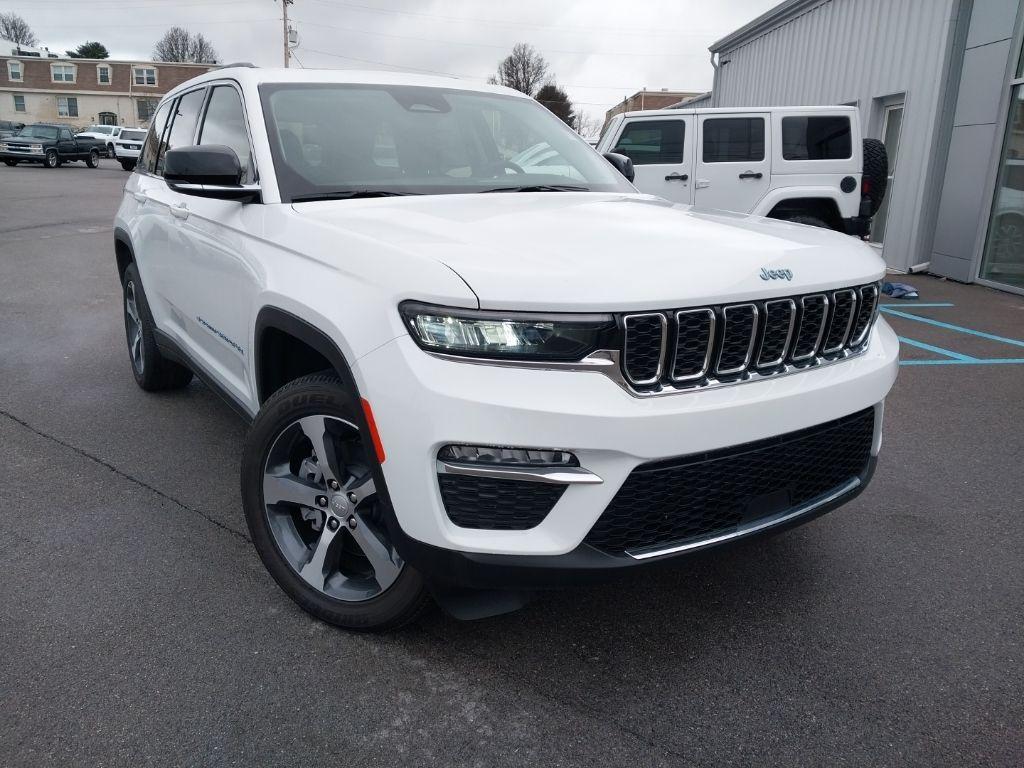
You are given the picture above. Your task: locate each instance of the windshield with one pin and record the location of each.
(133, 135)
(413, 140)
(38, 132)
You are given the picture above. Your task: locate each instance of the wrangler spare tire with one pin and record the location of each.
(876, 173)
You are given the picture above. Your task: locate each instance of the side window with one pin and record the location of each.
(183, 127)
(147, 160)
(733, 139)
(649, 142)
(65, 135)
(816, 138)
(225, 124)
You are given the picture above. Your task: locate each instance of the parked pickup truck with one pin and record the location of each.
(807, 165)
(51, 145)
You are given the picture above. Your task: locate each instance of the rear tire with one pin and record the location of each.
(152, 371)
(875, 178)
(323, 537)
(810, 221)
(93, 160)
(128, 165)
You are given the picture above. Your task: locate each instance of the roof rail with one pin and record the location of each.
(246, 64)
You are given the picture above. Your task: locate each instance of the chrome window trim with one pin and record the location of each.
(821, 329)
(661, 350)
(789, 333)
(658, 550)
(550, 475)
(849, 321)
(856, 342)
(711, 344)
(750, 344)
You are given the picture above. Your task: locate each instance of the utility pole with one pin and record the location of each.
(284, 22)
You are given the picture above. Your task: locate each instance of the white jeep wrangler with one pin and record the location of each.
(469, 378)
(803, 164)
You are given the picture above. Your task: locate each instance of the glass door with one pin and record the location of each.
(1003, 258)
(891, 124)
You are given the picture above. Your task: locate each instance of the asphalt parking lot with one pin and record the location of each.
(138, 627)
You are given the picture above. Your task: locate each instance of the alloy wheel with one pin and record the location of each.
(321, 508)
(133, 326)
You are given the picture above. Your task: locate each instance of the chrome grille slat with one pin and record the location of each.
(695, 336)
(727, 344)
(643, 363)
(735, 337)
(774, 341)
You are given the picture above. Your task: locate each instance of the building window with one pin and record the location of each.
(15, 73)
(733, 139)
(108, 118)
(103, 74)
(144, 75)
(892, 123)
(19, 102)
(653, 142)
(1003, 256)
(67, 106)
(62, 73)
(146, 109)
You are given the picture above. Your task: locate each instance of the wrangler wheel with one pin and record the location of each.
(314, 513)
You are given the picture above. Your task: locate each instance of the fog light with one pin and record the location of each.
(504, 456)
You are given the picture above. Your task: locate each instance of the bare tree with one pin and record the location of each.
(586, 125)
(524, 69)
(17, 30)
(178, 44)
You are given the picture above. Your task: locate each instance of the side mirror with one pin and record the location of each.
(208, 171)
(622, 164)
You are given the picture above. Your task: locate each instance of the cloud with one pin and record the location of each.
(599, 50)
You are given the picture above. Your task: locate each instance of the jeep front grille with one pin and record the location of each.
(726, 343)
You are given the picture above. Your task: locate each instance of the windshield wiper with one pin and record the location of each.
(350, 194)
(538, 188)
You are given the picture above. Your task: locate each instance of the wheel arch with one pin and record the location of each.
(123, 251)
(824, 208)
(287, 346)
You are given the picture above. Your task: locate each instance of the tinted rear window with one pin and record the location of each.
(733, 139)
(816, 138)
(649, 142)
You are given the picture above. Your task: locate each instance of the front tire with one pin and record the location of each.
(315, 517)
(93, 160)
(10, 163)
(51, 159)
(152, 371)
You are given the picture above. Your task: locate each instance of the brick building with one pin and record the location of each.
(83, 92)
(648, 100)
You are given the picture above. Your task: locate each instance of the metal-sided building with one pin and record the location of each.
(940, 81)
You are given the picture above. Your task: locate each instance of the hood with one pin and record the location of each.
(22, 141)
(565, 251)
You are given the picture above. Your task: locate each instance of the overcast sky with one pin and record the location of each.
(599, 50)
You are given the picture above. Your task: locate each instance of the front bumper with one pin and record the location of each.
(421, 403)
(24, 157)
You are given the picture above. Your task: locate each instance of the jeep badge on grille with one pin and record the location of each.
(776, 274)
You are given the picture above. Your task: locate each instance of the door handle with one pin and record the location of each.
(677, 177)
(179, 211)
(702, 183)
(751, 175)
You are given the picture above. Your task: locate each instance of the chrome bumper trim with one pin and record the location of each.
(551, 475)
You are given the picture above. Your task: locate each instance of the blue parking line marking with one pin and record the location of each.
(948, 361)
(916, 305)
(957, 328)
(937, 350)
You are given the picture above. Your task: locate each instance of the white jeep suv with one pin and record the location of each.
(471, 380)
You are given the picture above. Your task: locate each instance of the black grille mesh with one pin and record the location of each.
(642, 356)
(778, 317)
(843, 305)
(867, 299)
(710, 494)
(811, 318)
(693, 338)
(501, 505)
(739, 324)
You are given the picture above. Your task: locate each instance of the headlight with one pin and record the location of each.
(36, 147)
(3, 147)
(507, 335)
